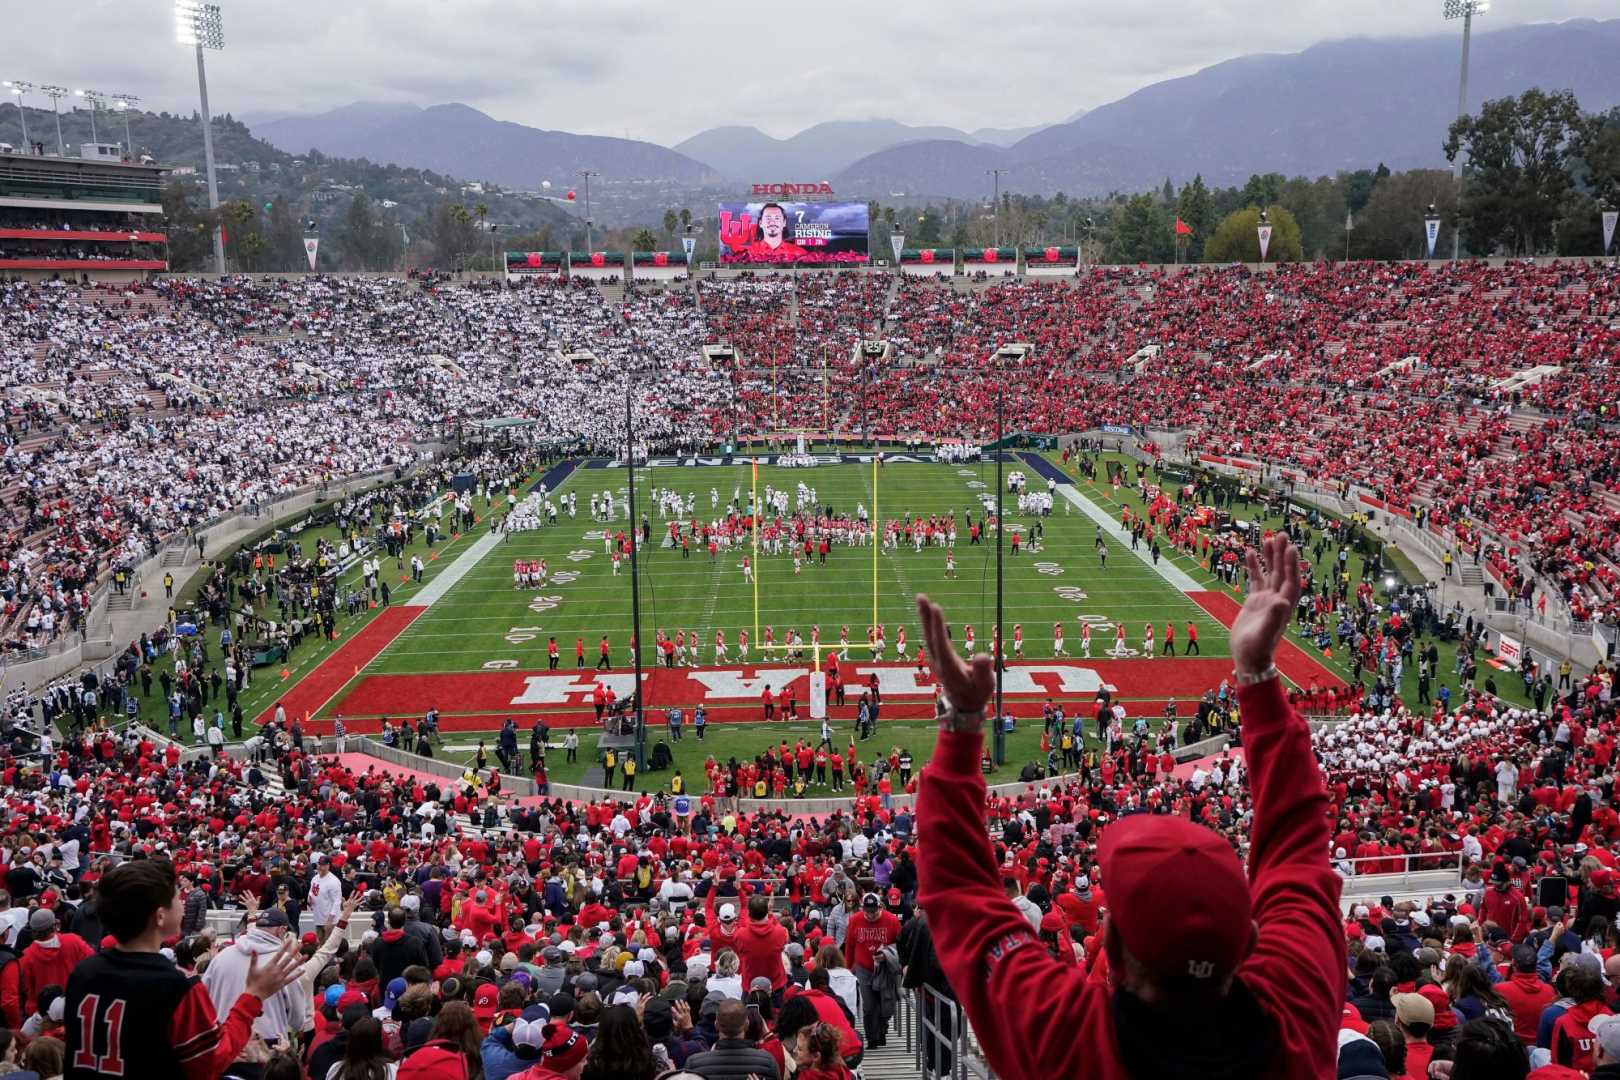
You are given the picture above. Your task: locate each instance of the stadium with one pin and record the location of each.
(841, 633)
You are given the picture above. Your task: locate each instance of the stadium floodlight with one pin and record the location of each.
(198, 25)
(123, 103)
(56, 94)
(1464, 10)
(18, 87)
(201, 27)
(93, 98)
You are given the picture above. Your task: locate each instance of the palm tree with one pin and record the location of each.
(670, 221)
(645, 240)
(686, 218)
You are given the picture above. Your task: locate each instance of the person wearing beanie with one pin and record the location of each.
(1360, 1058)
(52, 956)
(562, 1055)
(1247, 970)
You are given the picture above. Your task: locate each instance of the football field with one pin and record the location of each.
(475, 647)
(464, 641)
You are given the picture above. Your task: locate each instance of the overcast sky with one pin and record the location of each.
(662, 71)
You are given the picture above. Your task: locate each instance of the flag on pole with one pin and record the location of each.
(1182, 228)
(1431, 230)
(1349, 221)
(1609, 219)
(1265, 240)
(311, 243)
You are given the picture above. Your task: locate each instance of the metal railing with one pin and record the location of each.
(1432, 862)
(939, 1038)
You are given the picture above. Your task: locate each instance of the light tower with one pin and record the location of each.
(56, 94)
(1464, 10)
(123, 103)
(18, 87)
(199, 25)
(93, 98)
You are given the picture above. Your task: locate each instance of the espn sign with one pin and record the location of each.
(822, 188)
(1509, 651)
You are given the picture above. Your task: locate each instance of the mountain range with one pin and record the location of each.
(459, 140)
(1338, 105)
(747, 153)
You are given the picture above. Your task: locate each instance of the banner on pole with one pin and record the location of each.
(690, 244)
(818, 695)
(1609, 218)
(1431, 229)
(1265, 240)
(897, 241)
(311, 243)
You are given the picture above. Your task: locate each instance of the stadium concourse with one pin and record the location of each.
(443, 925)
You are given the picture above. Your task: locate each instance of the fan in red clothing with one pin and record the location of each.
(1253, 980)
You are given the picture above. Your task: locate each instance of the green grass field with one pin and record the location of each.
(472, 624)
(483, 623)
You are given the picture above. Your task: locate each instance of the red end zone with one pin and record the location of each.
(1298, 666)
(477, 701)
(314, 690)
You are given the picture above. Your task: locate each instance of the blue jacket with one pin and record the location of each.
(500, 1057)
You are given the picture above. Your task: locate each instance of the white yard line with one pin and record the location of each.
(1171, 573)
(446, 579)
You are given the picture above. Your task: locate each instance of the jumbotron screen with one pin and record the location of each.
(792, 232)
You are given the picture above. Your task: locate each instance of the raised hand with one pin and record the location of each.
(968, 685)
(1273, 596)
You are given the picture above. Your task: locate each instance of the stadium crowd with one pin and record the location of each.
(627, 938)
(621, 939)
(1476, 397)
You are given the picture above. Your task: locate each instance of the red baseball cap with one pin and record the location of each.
(1202, 932)
(486, 999)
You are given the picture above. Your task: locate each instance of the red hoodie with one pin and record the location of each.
(1295, 972)
(1527, 996)
(51, 960)
(759, 946)
(1572, 1041)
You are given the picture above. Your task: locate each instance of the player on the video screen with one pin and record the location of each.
(773, 244)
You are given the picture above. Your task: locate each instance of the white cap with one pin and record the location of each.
(728, 912)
